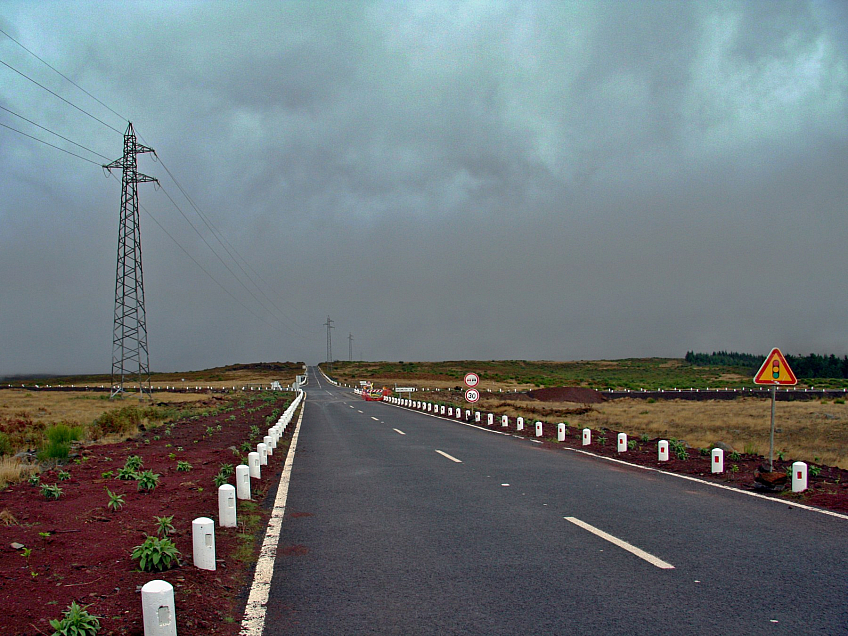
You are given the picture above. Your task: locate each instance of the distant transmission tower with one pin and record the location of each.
(329, 325)
(129, 336)
(350, 347)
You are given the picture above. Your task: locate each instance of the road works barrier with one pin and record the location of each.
(157, 609)
(203, 543)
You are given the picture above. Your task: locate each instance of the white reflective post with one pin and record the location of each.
(203, 543)
(717, 463)
(538, 429)
(587, 436)
(519, 423)
(157, 609)
(477, 416)
(663, 450)
(622, 442)
(799, 477)
(263, 453)
(490, 419)
(253, 464)
(227, 506)
(242, 482)
(561, 432)
(269, 444)
(504, 420)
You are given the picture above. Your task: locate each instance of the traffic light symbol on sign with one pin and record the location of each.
(775, 371)
(775, 368)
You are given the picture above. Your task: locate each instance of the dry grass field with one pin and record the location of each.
(809, 431)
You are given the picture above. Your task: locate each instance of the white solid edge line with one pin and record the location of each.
(650, 558)
(791, 504)
(253, 622)
(398, 431)
(450, 457)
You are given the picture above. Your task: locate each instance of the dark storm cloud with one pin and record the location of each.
(446, 180)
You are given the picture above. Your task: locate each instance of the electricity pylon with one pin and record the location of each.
(350, 347)
(129, 335)
(329, 325)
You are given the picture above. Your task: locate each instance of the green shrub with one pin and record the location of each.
(51, 491)
(59, 438)
(156, 555)
(5, 445)
(76, 622)
(116, 502)
(220, 479)
(164, 525)
(63, 475)
(134, 462)
(183, 466)
(147, 480)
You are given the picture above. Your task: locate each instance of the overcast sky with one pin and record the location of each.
(446, 180)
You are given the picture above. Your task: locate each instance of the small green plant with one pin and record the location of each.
(232, 418)
(734, 468)
(220, 479)
(134, 462)
(645, 437)
(602, 440)
(107, 474)
(164, 525)
(147, 481)
(51, 492)
(76, 622)
(34, 480)
(63, 475)
(227, 469)
(815, 471)
(156, 555)
(734, 456)
(183, 466)
(219, 428)
(172, 456)
(59, 438)
(116, 502)
(750, 449)
(781, 455)
(155, 438)
(126, 473)
(651, 401)
(254, 431)
(246, 447)
(839, 401)
(632, 444)
(210, 430)
(705, 451)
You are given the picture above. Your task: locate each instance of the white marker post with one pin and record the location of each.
(538, 429)
(799, 477)
(157, 609)
(253, 464)
(519, 423)
(587, 436)
(227, 506)
(622, 442)
(663, 450)
(263, 453)
(504, 420)
(203, 543)
(560, 432)
(269, 444)
(717, 463)
(242, 482)
(490, 419)
(477, 416)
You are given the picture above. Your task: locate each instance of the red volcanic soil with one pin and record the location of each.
(80, 549)
(578, 394)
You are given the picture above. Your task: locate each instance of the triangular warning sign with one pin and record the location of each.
(775, 370)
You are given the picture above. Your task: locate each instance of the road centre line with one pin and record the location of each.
(444, 454)
(650, 558)
(358, 411)
(375, 419)
(398, 431)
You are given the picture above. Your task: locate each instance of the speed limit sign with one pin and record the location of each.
(472, 395)
(472, 380)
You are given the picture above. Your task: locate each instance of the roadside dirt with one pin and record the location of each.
(80, 549)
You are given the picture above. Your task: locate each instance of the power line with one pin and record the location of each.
(85, 112)
(49, 144)
(94, 152)
(62, 74)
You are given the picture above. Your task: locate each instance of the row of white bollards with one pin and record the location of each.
(799, 469)
(157, 597)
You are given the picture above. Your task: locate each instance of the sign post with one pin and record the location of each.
(774, 372)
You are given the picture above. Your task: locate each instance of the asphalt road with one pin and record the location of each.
(385, 533)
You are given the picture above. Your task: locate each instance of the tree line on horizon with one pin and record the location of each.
(809, 366)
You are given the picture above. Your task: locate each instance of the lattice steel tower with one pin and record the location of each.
(129, 336)
(329, 325)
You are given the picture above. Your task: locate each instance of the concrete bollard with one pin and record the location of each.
(467, 414)
(157, 609)
(538, 429)
(263, 453)
(242, 482)
(477, 416)
(504, 420)
(253, 464)
(799, 477)
(717, 462)
(429, 407)
(203, 543)
(442, 410)
(450, 411)
(519, 423)
(490, 419)
(269, 444)
(622, 442)
(587, 436)
(227, 506)
(560, 432)
(663, 450)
